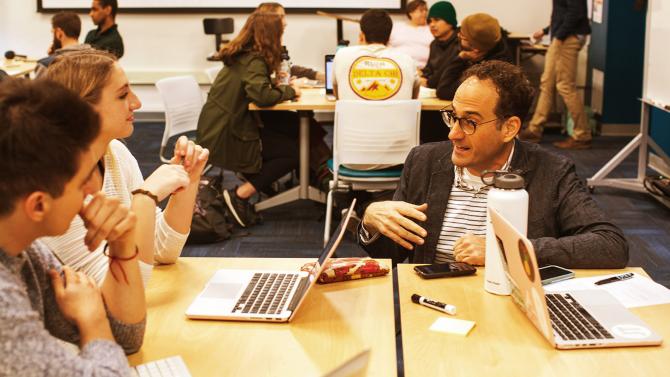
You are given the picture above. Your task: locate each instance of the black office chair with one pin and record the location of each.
(218, 26)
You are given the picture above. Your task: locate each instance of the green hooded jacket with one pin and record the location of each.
(226, 126)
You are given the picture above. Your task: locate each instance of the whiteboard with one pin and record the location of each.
(656, 86)
(225, 4)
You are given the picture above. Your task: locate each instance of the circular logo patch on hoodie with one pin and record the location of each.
(375, 78)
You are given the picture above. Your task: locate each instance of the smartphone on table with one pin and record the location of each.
(444, 270)
(552, 274)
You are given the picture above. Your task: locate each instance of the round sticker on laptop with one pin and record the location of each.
(630, 331)
(375, 78)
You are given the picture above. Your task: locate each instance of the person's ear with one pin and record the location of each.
(511, 128)
(37, 205)
(361, 38)
(59, 34)
(107, 10)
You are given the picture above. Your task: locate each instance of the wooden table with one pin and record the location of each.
(19, 68)
(504, 342)
(310, 100)
(336, 322)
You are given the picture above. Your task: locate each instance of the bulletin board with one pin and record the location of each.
(177, 6)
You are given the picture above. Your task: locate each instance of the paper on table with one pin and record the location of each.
(427, 92)
(632, 293)
(452, 326)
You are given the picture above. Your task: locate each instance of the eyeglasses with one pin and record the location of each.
(468, 126)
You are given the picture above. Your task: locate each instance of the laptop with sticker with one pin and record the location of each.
(568, 319)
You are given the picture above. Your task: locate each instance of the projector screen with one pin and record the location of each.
(230, 5)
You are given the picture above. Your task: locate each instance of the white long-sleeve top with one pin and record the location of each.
(122, 176)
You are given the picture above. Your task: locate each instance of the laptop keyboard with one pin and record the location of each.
(170, 367)
(571, 321)
(266, 293)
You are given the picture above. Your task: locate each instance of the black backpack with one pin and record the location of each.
(210, 215)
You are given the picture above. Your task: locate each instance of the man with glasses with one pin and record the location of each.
(438, 212)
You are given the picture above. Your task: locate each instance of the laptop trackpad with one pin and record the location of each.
(226, 291)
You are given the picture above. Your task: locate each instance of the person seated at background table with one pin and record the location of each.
(106, 37)
(481, 39)
(438, 212)
(232, 132)
(443, 50)
(296, 70)
(161, 235)
(372, 70)
(413, 37)
(43, 182)
(65, 27)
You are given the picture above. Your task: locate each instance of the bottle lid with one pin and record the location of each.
(509, 181)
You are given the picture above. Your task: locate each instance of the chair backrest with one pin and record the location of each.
(183, 102)
(375, 132)
(212, 72)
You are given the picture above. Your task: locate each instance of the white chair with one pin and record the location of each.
(183, 102)
(370, 132)
(212, 72)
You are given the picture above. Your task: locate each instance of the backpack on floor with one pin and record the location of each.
(210, 222)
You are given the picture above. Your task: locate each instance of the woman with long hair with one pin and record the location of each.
(234, 134)
(160, 235)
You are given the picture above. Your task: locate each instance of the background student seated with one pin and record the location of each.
(106, 37)
(229, 129)
(372, 70)
(437, 214)
(43, 183)
(413, 37)
(65, 27)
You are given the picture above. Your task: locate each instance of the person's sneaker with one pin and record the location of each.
(571, 143)
(242, 211)
(528, 135)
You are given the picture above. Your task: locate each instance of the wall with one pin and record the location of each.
(171, 44)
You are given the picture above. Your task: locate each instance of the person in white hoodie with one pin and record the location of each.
(413, 37)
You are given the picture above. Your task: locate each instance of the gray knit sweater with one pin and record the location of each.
(30, 322)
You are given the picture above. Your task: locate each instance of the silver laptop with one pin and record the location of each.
(569, 319)
(261, 295)
(330, 93)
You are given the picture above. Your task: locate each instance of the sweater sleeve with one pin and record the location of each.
(450, 79)
(300, 71)
(29, 343)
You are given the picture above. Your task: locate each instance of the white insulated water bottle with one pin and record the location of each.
(509, 198)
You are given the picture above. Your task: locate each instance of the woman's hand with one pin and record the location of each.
(165, 180)
(191, 156)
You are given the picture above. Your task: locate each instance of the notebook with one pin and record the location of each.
(567, 319)
(330, 94)
(262, 295)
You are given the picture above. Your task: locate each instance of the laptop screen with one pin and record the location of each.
(329, 74)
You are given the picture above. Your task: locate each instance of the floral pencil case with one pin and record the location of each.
(341, 269)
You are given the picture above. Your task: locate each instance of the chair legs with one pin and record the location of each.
(329, 215)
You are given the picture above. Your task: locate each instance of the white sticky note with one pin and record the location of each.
(452, 326)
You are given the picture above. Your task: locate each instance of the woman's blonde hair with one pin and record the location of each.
(84, 72)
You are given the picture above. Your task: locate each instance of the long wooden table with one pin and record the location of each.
(336, 322)
(310, 100)
(504, 342)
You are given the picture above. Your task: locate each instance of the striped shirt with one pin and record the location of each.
(465, 213)
(122, 176)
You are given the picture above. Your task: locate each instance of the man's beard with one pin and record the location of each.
(56, 44)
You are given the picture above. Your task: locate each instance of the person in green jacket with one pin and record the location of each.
(234, 134)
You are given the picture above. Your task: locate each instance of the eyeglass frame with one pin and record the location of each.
(451, 113)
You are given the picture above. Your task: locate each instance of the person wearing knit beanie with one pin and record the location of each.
(444, 10)
(480, 31)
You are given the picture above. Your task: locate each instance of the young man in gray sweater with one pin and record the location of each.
(47, 154)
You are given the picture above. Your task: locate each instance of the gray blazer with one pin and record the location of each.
(565, 225)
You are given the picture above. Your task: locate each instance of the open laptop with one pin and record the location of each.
(569, 319)
(330, 94)
(261, 295)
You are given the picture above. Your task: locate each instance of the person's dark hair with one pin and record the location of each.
(44, 129)
(413, 5)
(376, 25)
(515, 93)
(261, 34)
(110, 3)
(69, 22)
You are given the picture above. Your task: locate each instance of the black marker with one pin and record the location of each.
(445, 308)
(614, 279)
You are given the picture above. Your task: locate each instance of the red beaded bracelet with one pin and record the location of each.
(117, 260)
